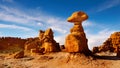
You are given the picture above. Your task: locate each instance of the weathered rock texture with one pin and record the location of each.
(32, 43)
(47, 41)
(43, 44)
(115, 39)
(112, 44)
(76, 41)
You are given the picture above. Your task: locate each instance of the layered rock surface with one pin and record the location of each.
(76, 41)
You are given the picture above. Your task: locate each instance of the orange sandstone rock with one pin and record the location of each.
(115, 38)
(32, 43)
(77, 41)
(41, 35)
(77, 17)
(48, 42)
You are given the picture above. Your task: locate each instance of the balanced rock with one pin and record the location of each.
(48, 42)
(76, 41)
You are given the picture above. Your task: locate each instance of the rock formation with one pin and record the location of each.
(112, 44)
(47, 41)
(42, 44)
(32, 43)
(76, 41)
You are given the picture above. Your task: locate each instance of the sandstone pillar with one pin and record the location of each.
(76, 41)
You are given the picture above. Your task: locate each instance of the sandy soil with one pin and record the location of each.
(59, 60)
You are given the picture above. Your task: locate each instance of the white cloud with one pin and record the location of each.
(59, 29)
(14, 15)
(87, 23)
(15, 27)
(107, 5)
(39, 24)
(61, 39)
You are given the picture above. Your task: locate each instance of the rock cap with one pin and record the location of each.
(78, 17)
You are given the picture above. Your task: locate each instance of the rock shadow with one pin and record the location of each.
(107, 57)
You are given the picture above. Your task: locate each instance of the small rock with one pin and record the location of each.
(19, 54)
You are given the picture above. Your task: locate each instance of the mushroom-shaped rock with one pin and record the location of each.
(76, 41)
(77, 17)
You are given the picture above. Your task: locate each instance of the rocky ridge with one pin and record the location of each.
(112, 44)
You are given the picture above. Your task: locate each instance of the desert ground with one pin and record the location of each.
(60, 60)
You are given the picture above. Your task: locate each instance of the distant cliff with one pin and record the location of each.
(7, 42)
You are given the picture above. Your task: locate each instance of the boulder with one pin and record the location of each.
(76, 41)
(19, 54)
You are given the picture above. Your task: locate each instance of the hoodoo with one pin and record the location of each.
(76, 41)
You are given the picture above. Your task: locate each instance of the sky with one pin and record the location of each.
(24, 18)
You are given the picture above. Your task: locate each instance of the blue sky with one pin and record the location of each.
(24, 18)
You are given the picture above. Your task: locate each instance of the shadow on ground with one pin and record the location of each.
(108, 57)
